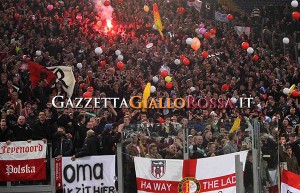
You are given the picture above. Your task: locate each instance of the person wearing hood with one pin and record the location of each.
(109, 138)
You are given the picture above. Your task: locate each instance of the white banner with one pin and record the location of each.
(240, 29)
(64, 75)
(210, 175)
(196, 3)
(89, 174)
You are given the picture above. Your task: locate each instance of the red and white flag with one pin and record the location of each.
(290, 182)
(23, 161)
(208, 175)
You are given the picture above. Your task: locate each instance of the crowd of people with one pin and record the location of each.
(69, 33)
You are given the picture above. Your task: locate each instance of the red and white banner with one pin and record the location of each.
(211, 175)
(290, 182)
(23, 161)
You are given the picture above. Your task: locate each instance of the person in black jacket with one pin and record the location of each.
(6, 135)
(22, 130)
(109, 138)
(90, 147)
(248, 174)
(79, 133)
(63, 145)
(43, 129)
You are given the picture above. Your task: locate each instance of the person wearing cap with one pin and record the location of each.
(109, 138)
(295, 145)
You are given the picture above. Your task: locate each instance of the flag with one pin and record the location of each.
(209, 175)
(197, 4)
(66, 77)
(241, 29)
(38, 72)
(146, 95)
(235, 125)
(221, 17)
(290, 182)
(274, 186)
(157, 20)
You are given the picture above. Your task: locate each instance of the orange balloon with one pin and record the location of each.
(196, 44)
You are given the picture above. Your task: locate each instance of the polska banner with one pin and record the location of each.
(66, 77)
(23, 161)
(210, 175)
(87, 174)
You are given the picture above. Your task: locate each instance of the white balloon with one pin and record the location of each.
(79, 65)
(120, 57)
(250, 50)
(38, 52)
(294, 3)
(189, 41)
(118, 52)
(286, 91)
(233, 100)
(154, 27)
(155, 79)
(192, 89)
(152, 89)
(177, 61)
(98, 51)
(286, 40)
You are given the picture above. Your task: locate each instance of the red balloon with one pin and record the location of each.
(204, 54)
(120, 65)
(213, 31)
(164, 73)
(225, 87)
(81, 85)
(186, 61)
(87, 95)
(111, 42)
(255, 57)
(207, 35)
(182, 57)
(245, 45)
(16, 15)
(90, 89)
(230, 17)
(295, 93)
(106, 3)
(296, 15)
(102, 63)
(169, 85)
(180, 10)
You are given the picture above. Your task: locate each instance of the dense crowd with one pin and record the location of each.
(69, 34)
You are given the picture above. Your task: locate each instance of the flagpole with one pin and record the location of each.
(239, 174)
(278, 160)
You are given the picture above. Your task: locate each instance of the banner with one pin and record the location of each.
(23, 161)
(66, 77)
(240, 29)
(211, 175)
(290, 182)
(38, 72)
(196, 3)
(87, 174)
(221, 17)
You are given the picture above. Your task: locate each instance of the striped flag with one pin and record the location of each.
(221, 17)
(290, 182)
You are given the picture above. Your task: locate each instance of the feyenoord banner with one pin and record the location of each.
(87, 174)
(290, 182)
(210, 175)
(23, 161)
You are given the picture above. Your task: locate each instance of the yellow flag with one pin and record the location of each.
(157, 20)
(235, 125)
(146, 95)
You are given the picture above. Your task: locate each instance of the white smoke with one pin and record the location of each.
(104, 12)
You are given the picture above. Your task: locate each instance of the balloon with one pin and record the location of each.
(295, 93)
(294, 3)
(177, 61)
(154, 27)
(155, 79)
(98, 51)
(245, 45)
(118, 52)
(250, 50)
(111, 42)
(120, 57)
(169, 85)
(202, 31)
(146, 8)
(87, 95)
(296, 15)
(255, 57)
(286, 40)
(267, 119)
(182, 57)
(152, 89)
(286, 91)
(79, 65)
(81, 85)
(164, 73)
(168, 79)
(204, 54)
(192, 89)
(196, 44)
(213, 31)
(50, 7)
(106, 3)
(201, 25)
(186, 61)
(233, 100)
(16, 15)
(180, 10)
(207, 35)
(225, 87)
(265, 96)
(189, 41)
(90, 89)
(102, 63)
(230, 17)
(38, 52)
(120, 65)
